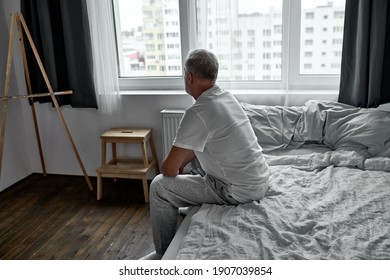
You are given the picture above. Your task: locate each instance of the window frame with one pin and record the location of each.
(290, 76)
(297, 80)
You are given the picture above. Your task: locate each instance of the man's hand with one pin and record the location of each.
(181, 169)
(176, 160)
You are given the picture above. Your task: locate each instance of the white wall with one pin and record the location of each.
(21, 156)
(86, 126)
(18, 139)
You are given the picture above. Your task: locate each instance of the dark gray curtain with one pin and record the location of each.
(60, 32)
(365, 66)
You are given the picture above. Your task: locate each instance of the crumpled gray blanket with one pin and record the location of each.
(319, 206)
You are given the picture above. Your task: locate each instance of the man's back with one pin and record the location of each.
(219, 132)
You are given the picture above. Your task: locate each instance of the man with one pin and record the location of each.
(216, 131)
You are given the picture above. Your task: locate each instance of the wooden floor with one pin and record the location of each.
(58, 217)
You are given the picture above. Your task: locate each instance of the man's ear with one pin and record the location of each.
(190, 77)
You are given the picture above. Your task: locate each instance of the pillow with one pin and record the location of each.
(364, 129)
(281, 127)
(337, 125)
(309, 129)
(274, 126)
(311, 126)
(323, 105)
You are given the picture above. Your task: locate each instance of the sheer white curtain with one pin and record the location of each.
(101, 24)
(217, 22)
(246, 36)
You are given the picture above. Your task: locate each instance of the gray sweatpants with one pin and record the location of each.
(167, 194)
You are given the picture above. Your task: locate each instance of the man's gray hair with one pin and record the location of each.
(202, 64)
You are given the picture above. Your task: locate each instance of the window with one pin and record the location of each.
(148, 38)
(266, 56)
(337, 41)
(327, 46)
(309, 15)
(279, 55)
(249, 39)
(308, 42)
(251, 66)
(277, 43)
(308, 54)
(238, 56)
(277, 29)
(251, 44)
(267, 32)
(338, 14)
(309, 29)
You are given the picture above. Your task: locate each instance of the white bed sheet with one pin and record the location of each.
(320, 205)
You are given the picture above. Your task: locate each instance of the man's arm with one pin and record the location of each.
(176, 160)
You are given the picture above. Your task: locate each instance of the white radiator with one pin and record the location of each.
(170, 123)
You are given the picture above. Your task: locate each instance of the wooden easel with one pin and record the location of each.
(18, 19)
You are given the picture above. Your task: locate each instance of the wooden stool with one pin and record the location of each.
(127, 167)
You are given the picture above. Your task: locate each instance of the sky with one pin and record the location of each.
(249, 6)
(130, 13)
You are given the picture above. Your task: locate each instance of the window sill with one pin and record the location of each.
(152, 92)
(237, 92)
(260, 96)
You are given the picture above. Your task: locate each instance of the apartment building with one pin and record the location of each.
(248, 45)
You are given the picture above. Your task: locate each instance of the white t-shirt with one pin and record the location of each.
(217, 129)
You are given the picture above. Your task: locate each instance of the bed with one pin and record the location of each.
(329, 195)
